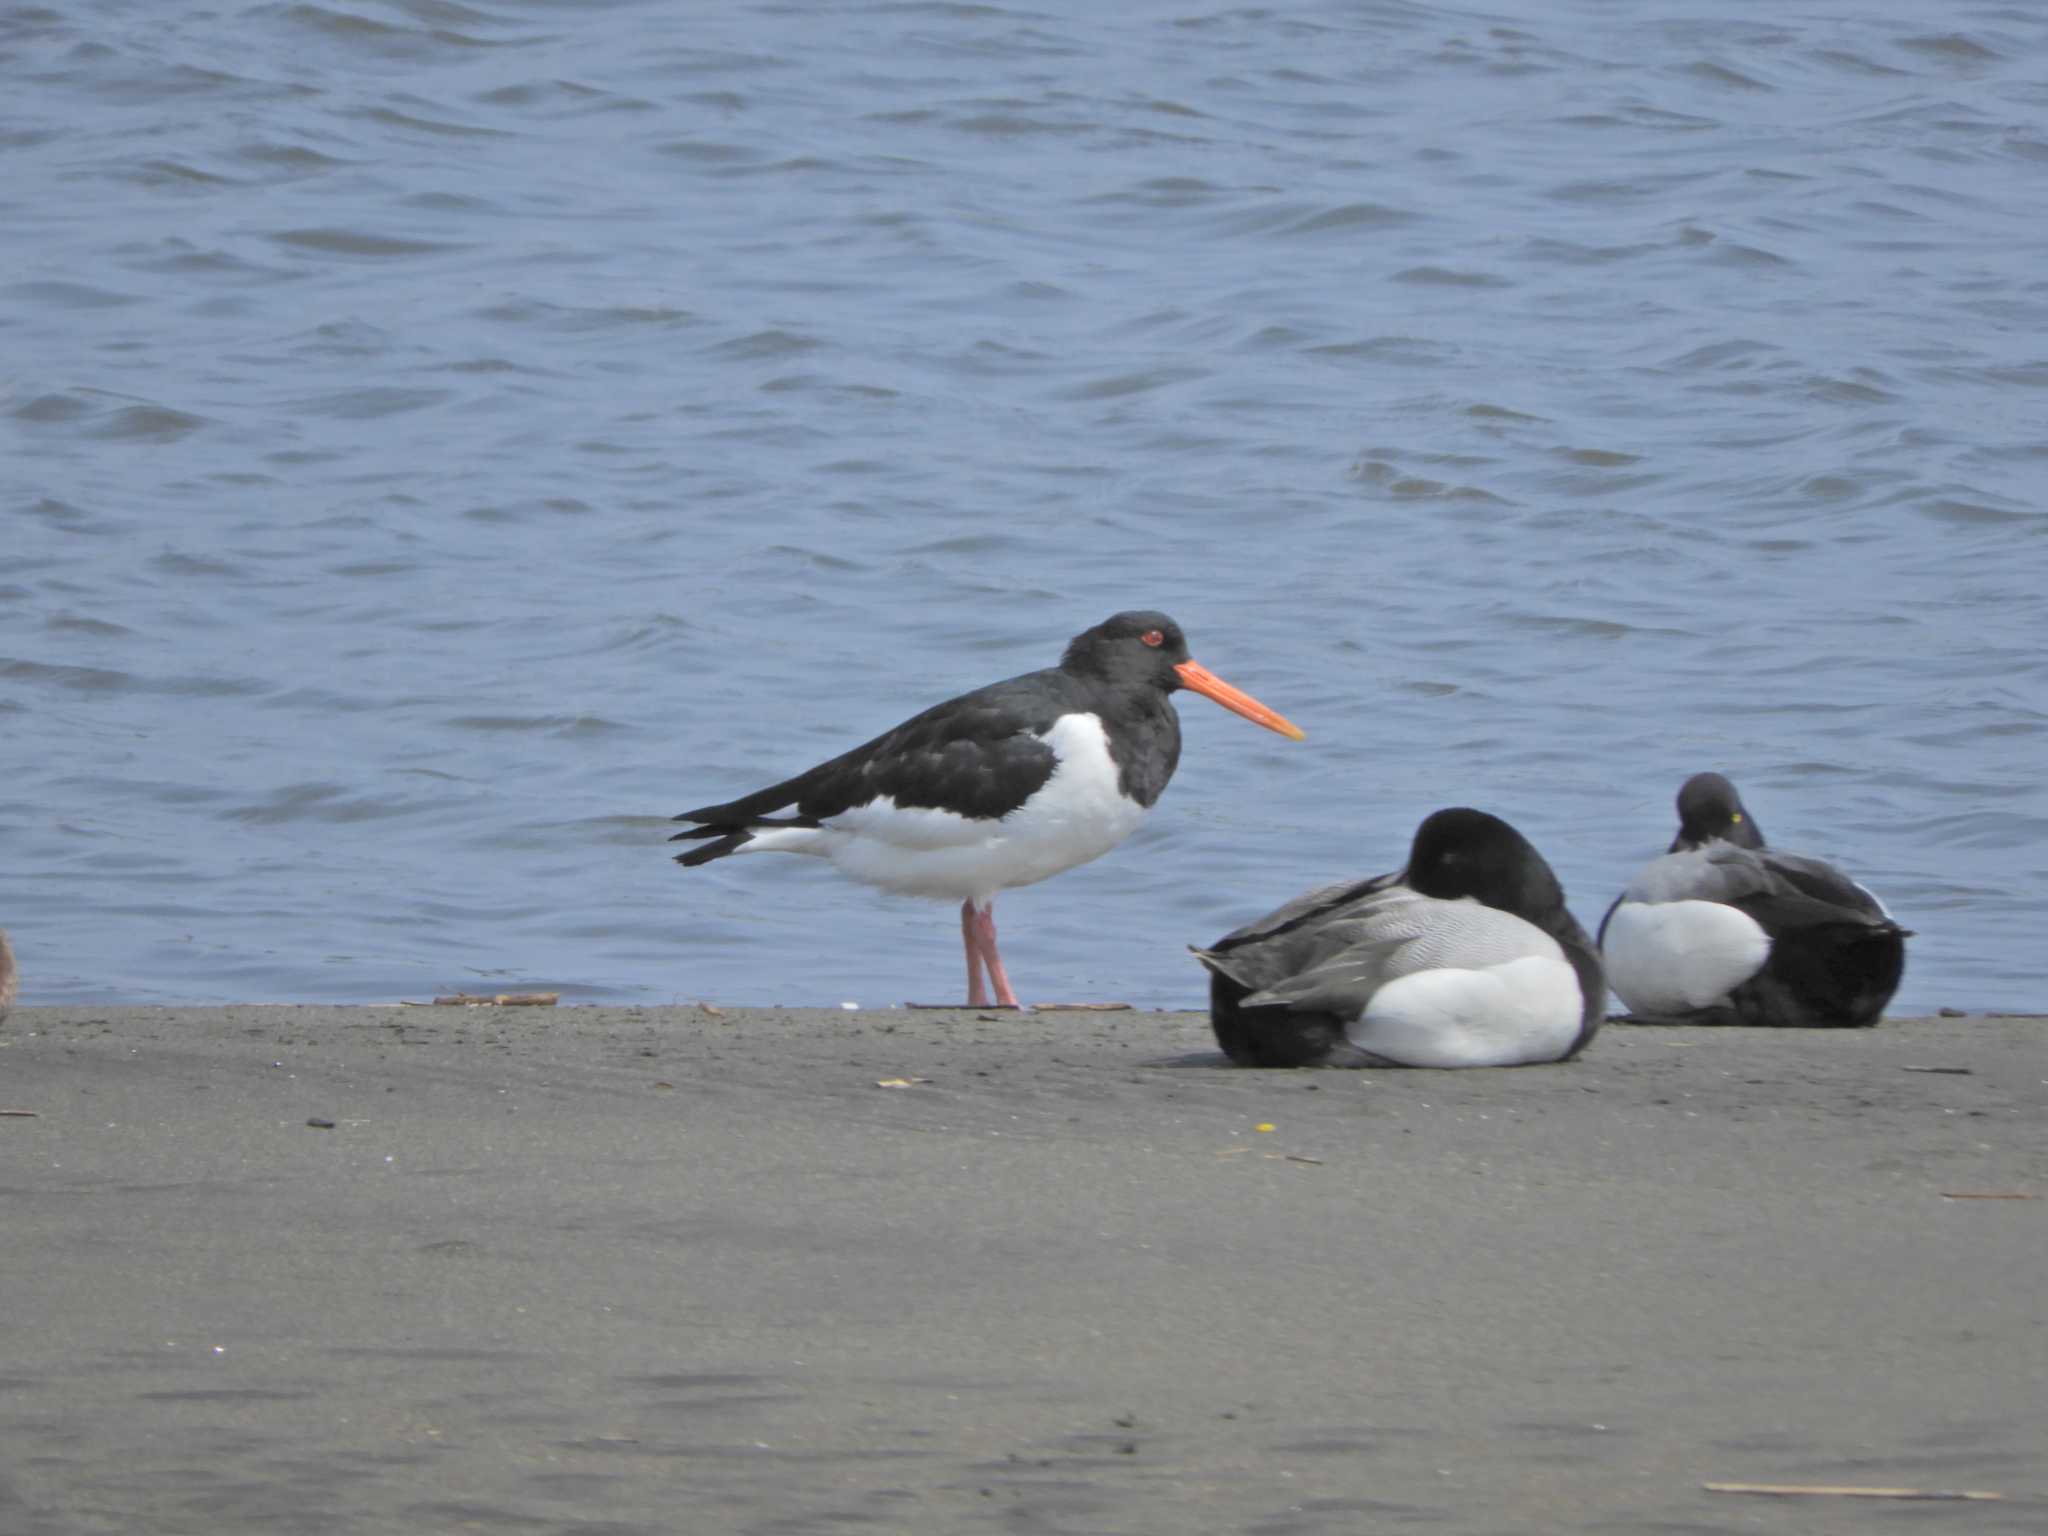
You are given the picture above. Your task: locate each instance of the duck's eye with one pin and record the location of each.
(1734, 816)
(1153, 637)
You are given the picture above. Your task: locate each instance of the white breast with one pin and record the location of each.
(1675, 956)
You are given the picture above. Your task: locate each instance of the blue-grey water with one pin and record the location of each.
(442, 440)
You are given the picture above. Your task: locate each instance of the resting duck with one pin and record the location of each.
(1724, 930)
(1466, 958)
(8, 979)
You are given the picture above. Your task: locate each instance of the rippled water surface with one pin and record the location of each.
(442, 440)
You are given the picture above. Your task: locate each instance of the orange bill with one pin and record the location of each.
(1198, 677)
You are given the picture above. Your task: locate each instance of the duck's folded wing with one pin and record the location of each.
(1323, 903)
(1812, 879)
(1341, 984)
(1805, 893)
(1299, 935)
(1398, 934)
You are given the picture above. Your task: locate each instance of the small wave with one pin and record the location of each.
(1014, 125)
(355, 242)
(1728, 253)
(372, 404)
(709, 152)
(80, 624)
(765, 344)
(109, 680)
(62, 295)
(319, 802)
(1952, 48)
(51, 408)
(1445, 277)
(553, 725)
(1848, 391)
(366, 34)
(1411, 487)
(389, 118)
(176, 563)
(559, 98)
(1950, 510)
(148, 423)
(1855, 63)
(573, 319)
(1121, 385)
(1725, 76)
(1352, 216)
(294, 159)
(1162, 192)
(1573, 254)
(174, 173)
(1723, 354)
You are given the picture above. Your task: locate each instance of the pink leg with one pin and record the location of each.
(982, 925)
(977, 993)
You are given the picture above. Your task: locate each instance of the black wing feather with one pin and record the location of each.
(978, 755)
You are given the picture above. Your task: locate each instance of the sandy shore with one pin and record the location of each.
(604, 1270)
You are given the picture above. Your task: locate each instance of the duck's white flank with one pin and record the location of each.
(1507, 1015)
(1676, 956)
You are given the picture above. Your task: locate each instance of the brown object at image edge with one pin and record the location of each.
(9, 978)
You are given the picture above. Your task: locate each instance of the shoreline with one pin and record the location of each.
(621, 1269)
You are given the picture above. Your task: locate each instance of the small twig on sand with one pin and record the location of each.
(1987, 1194)
(1840, 1491)
(500, 1000)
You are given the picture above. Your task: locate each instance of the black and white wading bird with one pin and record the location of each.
(1724, 930)
(999, 787)
(1466, 958)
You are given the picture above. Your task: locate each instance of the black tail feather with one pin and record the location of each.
(696, 832)
(729, 841)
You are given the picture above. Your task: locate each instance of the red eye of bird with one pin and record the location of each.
(1153, 637)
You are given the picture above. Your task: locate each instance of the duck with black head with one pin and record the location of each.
(1724, 929)
(1467, 957)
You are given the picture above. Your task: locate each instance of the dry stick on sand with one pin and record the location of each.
(1842, 1491)
(501, 1000)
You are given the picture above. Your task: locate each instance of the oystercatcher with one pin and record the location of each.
(1466, 958)
(1725, 930)
(999, 787)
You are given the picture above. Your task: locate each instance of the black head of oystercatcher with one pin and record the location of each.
(997, 788)
(1724, 929)
(1468, 957)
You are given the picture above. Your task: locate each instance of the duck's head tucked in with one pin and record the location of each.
(1462, 852)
